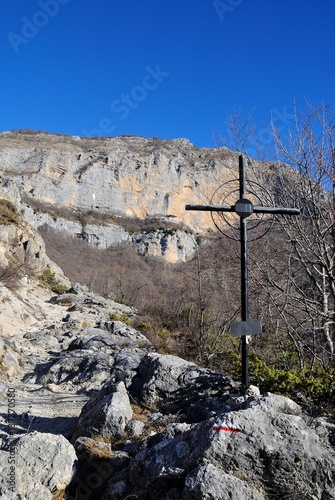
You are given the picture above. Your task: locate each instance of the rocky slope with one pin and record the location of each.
(92, 409)
(104, 190)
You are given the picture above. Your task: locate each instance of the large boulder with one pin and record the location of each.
(106, 414)
(92, 358)
(172, 384)
(85, 364)
(266, 450)
(87, 368)
(36, 466)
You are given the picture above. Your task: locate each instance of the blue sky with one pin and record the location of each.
(162, 69)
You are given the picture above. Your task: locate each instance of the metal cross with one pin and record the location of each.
(244, 208)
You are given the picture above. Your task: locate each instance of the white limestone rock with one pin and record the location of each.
(43, 463)
(106, 414)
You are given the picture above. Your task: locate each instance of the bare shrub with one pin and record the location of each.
(17, 268)
(117, 272)
(187, 308)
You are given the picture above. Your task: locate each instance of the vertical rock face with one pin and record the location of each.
(132, 176)
(63, 178)
(173, 245)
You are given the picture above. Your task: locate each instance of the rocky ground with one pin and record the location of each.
(89, 410)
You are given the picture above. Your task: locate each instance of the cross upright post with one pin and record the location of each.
(244, 276)
(244, 208)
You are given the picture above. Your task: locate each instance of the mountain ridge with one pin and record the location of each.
(129, 177)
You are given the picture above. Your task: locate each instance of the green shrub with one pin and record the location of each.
(123, 317)
(144, 325)
(49, 278)
(318, 386)
(162, 335)
(59, 289)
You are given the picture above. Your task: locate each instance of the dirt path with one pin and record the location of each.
(27, 406)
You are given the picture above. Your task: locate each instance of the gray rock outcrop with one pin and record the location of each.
(106, 414)
(197, 439)
(152, 426)
(257, 452)
(36, 466)
(174, 245)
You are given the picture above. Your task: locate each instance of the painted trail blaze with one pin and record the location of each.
(226, 427)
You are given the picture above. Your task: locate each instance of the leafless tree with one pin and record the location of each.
(297, 278)
(306, 177)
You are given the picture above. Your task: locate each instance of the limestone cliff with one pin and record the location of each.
(96, 187)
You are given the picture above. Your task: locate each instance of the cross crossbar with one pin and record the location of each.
(244, 208)
(257, 209)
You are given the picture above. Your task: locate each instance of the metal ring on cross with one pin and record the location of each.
(228, 194)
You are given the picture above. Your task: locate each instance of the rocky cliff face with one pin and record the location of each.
(94, 188)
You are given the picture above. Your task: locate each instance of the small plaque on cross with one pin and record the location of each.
(240, 328)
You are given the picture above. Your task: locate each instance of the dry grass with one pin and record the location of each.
(99, 447)
(142, 412)
(8, 213)
(59, 495)
(86, 324)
